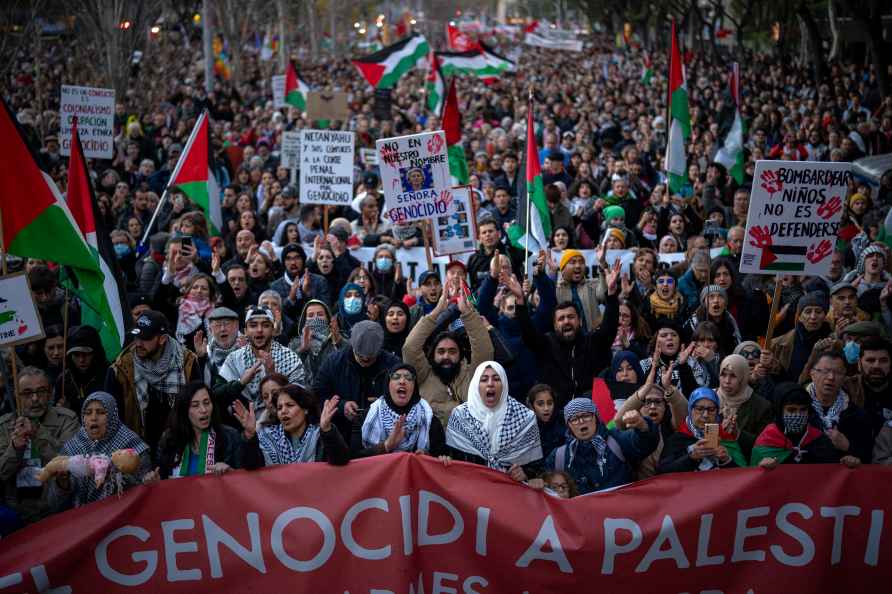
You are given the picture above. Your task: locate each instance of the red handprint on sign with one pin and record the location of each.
(434, 144)
(830, 208)
(818, 252)
(761, 237)
(771, 182)
(446, 198)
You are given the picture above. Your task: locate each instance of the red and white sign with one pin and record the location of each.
(403, 523)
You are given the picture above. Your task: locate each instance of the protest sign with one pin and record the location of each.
(95, 113)
(290, 152)
(19, 320)
(415, 174)
(403, 523)
(325, 105)
(555, 43)
(455, 231)
(368, 156)
(794, 217)
(278, 84)
(326, 170)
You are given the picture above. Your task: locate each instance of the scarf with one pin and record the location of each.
(662, 308)
(117, 437)
(731, 403)
(320, 331)
(285, 361)
(191, 318)
(502, 436)
(830, 419)
(574, 295)
(180, 277)
(205, 455)
(165, 374)
(381, 418)
(217, 354)
(278, 447)
(774, 443)
(595, 447)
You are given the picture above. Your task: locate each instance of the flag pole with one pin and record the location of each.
(64, 342)
(526, 257)
(11, 350)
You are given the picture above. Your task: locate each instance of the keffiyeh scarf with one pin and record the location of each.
(278, 448)
(830, 419)
(191, 318)
(285, 361)
(379, 423)
(165, 374)
(518, 436)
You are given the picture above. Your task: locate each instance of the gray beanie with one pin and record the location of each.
(709, 290)
(367, 338)
(812, 299)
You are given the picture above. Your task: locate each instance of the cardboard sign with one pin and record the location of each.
(278, 84)
(794, 217)
(455, 232)
(415, 174)
(290, 151)
(95, 113)
(326, 170)
(327, 105)
(19, 320)
(368, 156)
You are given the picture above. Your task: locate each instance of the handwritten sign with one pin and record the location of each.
(455, 231)
(290, 152)
(415, 174)
(278, 84)
(95, 113)
(794, 217)
(326, 170)
(19, 320)
(368, 156)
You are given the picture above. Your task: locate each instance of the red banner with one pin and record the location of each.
(404, 524)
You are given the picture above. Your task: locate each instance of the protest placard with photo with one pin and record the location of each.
(95, 113)
(19, 320)
(415, 173)
(290, 152)
(455, 232)
(794, 217)
(326, 167)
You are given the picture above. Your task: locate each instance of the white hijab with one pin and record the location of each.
(490, 418)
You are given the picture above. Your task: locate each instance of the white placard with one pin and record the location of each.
(19, 320)
(278, 84)
(326, 167)
(552, 43)
(415, 172)
(455, 231)
(290, 151)
(368, 156)
(95, 112)
(794, 217)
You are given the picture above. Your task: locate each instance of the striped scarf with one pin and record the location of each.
(206, 456)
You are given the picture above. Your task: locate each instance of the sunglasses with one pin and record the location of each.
(666, 280)
(751, 354)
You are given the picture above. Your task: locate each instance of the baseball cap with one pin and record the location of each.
(149, 325)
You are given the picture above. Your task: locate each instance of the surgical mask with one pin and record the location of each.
(352, 305)
(383, 264)
(122, 250)
(795, 423)
(852, 351)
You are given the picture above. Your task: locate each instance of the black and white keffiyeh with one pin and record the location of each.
(278, 447)
(380, 420)
(285, 362)
(830, 419)
(700, 374)
(504, 435)
(166, 374)
(217, 353)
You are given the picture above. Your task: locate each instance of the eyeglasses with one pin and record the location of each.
(751, 354)
(559, 486)
(829, 372)
(397, 376)
(654, 403)
(704, 410)
(580, 419)
(666, 280)
(39, 392)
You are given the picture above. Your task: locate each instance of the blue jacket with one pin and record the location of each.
(690, 290)
(633, 444)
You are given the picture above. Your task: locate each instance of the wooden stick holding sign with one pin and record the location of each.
(425, 233)
(325, 219)
(775, 306)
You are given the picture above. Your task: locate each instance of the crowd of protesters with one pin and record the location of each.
(271, 343)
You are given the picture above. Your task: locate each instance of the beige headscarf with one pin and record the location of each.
(737, 365)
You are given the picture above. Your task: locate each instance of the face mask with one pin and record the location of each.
(795, 423)
(317, 326)
(852, 351)
(122, 249)
(352, 305)
(383, 264)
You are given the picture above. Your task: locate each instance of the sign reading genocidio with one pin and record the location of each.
(326, 170)
(95, 113)
(794, 217)
(415, 173)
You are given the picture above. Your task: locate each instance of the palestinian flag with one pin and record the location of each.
(435, 87)
(385, 67)
(36, 220)
(731, 153)
(647, 72)
(771, 443)
(194, 177)
(102, 306)
(458, 165)
(482, 63)
(778, 258)
(296, 89)
(679, 120)
(532, 228)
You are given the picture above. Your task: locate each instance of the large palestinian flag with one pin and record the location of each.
(482, 63)
(731, 153)
(532, 228)
(458, 165)
(385, 67)
(679, 120)
(194, 177)
(434, 86)
(296, 89)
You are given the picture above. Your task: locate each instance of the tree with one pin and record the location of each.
(116, 28)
